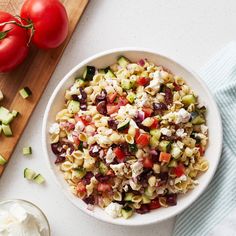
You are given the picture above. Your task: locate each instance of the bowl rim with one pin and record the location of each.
(132, 49)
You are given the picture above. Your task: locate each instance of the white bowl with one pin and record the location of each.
(213, 152)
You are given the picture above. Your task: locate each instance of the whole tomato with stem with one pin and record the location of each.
(13, 42)
(48, 20)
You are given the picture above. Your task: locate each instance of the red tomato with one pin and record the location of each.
(123, 101)
(137, 133)
(143, 140)
(143, 81)
(86, 120)
(104, 187)
(50, 22)
(81, 188)
(148, 111)
(112, 109)
(13, 43)
(112, 97)
(155, 124)
(120, 156)
(177, 87)
(179, 170)
(147, 162)
(201, 150)
(164, 157)
(154, 204)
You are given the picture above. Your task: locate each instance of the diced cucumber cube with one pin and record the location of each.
(6, 130)
(80, 172)
(39, 179)
(173, 163)
(156, 133)
(164, 146)
(128, 197)
(123, 61)
(25, 92)
(3, 161)
(103, 169)
(73, 106)
(189, 99)
(29, 174)
(123, 125)
(27, 150)
(5, 116)
(125, 84)
(1, 95)
(89, 72)
(145, 199)
(15, 113)
(154, 142)
(109, 74)
(131, 97)
(127, 212)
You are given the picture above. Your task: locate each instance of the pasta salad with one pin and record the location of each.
(130, 138)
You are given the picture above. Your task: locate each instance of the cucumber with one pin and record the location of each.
(175, 151)
(123, 61)
(127, 212)
(29, 174)
(123, 125)
(125, 84)
(80, 172)
(173, 163)
(101, 71)
(128, 197)
(165, 146)
(189, 99)
(196, 118)
(194, 136)
(25, 92)
(110, 74)
(80, 81)
(156, 133)
(6, 130)
(27, 150)
(131, 97)
(3, 161)
(89, 72)
(15, 113)
(154, 142)
(103, 169)
(1, 95)
(73, 106)
(39, 179)
(146, 199)
(5, 116)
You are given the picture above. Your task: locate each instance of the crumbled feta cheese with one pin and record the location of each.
(119, 169)
(79, 126)
(102, 140)
(182, 116)
(54, 129)
(180, 179)
(180, 133)
(160, 191)
(134, 185)
(127, 110)
(136, 168)
(166, 131)
(110, 156)
(113, 209)
(204, 129)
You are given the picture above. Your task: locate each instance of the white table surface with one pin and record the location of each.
(189, 31)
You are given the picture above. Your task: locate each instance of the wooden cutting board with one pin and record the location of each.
(34, 73)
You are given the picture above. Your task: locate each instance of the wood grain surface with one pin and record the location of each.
(35, 73)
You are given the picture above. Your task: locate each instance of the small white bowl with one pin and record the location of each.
(213, 152)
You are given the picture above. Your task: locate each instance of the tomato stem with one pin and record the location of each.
(4, 34)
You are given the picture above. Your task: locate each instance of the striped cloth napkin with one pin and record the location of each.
(219, 200)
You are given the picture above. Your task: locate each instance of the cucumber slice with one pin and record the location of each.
(5, 116)
(123, 125)
(127, 212)
(15, 113)
(146, 199)
(29, 174)
(125, 84)
(131, 97)
(128, 197)
(25, 92)
(89, 72)
(27, 150)
(123, 61)
(39, 179)
(73, 106)
(109, 74)
(156, 133)
(103, 169)
(1, 95)
(6, 130)
(164, 146)
(3, 161)
(189, 99)
(80, 172)
(173, 163)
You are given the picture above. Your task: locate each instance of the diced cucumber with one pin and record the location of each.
(132, 82)
(1, 95)
(123, 125)
(189, 99)
(6, 130)
(125, 84)
(199, 120)
(29, 174)
(128, 197)
(173, 163)
(101, 71)
(156, 133)
(89, 72)
(154, 142)
(123, 61)
(165, 146)
(127, 212)
(81, 147)
(103, 169)
(25, 92)
(175, 151)
(145, 199)
(5, 116)
(73, 106)
(80, 172)
(110, 74)
(131, 97)
(80, 81)
(39, 179)
(3, 161)
(27, 150)
(15, 113)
